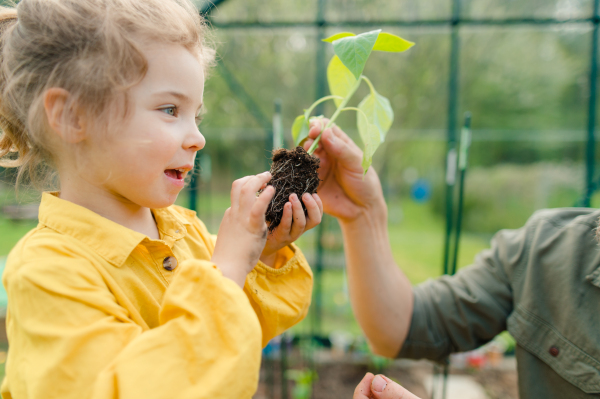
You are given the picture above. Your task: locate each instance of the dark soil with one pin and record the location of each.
(292, 171)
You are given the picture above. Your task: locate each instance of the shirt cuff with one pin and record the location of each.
(424, 338)
(285, 259)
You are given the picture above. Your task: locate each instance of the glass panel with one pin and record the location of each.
(559, 9)
(265, 11)
(385, 10)
(528, 92)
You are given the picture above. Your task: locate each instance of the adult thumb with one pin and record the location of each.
(384, 388)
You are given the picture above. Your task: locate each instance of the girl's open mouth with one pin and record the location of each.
(176, 176)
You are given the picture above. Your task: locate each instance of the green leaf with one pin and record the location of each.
(371, 139)
(391, 43)
(330, 39)
(354, 51)
(300, 130)
(341, 81)
(378, 111)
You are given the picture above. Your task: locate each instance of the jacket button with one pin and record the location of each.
(554, 351)
(170, 263)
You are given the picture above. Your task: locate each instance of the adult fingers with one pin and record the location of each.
(363, 389)
(316, 126)
(314, 213)
(299, 222)
(259, 208)
(341, 134)
(384, 388)
(347, 153)
(236, 189)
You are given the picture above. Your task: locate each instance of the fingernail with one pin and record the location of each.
(331, 139)
(378, 384)
(294, 197)
(305, 196)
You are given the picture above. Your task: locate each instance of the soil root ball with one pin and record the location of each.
(292, 171)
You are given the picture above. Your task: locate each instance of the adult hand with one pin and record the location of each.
(293, 224)
(380, 387)
(345, 193)
(243, 231)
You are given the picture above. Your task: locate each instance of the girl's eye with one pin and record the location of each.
(198, 119)
(170, 111)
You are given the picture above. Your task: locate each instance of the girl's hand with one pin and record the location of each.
(293, 224)
(346, 194)
(243, 231)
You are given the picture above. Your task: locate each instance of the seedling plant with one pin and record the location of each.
(296, 171)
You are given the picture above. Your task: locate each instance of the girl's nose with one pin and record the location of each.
(194, 140)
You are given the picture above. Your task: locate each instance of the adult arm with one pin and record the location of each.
(439, 317)
(381, 295)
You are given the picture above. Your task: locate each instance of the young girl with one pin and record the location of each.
(118, 293)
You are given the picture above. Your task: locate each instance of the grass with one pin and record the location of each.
(11, 232)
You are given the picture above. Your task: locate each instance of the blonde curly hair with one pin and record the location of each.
(92, 49)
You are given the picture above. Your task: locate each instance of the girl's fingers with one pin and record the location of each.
(313, 211)
(250, 188)
(286, 220)
(299, 222)
(319, 202)
(236, 189)
(259, 208)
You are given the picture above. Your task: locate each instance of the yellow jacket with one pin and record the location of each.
(93, 311)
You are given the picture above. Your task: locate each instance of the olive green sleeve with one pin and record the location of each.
(462, 312)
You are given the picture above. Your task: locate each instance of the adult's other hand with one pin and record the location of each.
(380, 387)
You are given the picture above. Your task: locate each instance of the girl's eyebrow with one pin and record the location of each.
(180, 96)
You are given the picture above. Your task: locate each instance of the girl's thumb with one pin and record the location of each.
(384, 388)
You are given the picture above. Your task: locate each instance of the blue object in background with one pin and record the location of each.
(420, 191)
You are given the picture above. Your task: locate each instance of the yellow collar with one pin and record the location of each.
(109, 239)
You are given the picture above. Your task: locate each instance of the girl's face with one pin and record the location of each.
(144, 159)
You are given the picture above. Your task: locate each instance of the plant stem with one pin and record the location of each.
(319, 101)
(363, 77)
(314, 145)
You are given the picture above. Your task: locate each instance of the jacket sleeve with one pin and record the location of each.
(280, 295)
(73, 340)
(462, 312)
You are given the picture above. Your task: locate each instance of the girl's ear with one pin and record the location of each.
(64, 117)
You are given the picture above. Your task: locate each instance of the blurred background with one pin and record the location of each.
(526, 71)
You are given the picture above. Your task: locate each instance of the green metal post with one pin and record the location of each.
(451, 146)
(284, 365)
(463, 158)
(277, 126)
(453, 90)
(320, 91)
(590, 153)
(194, 187)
